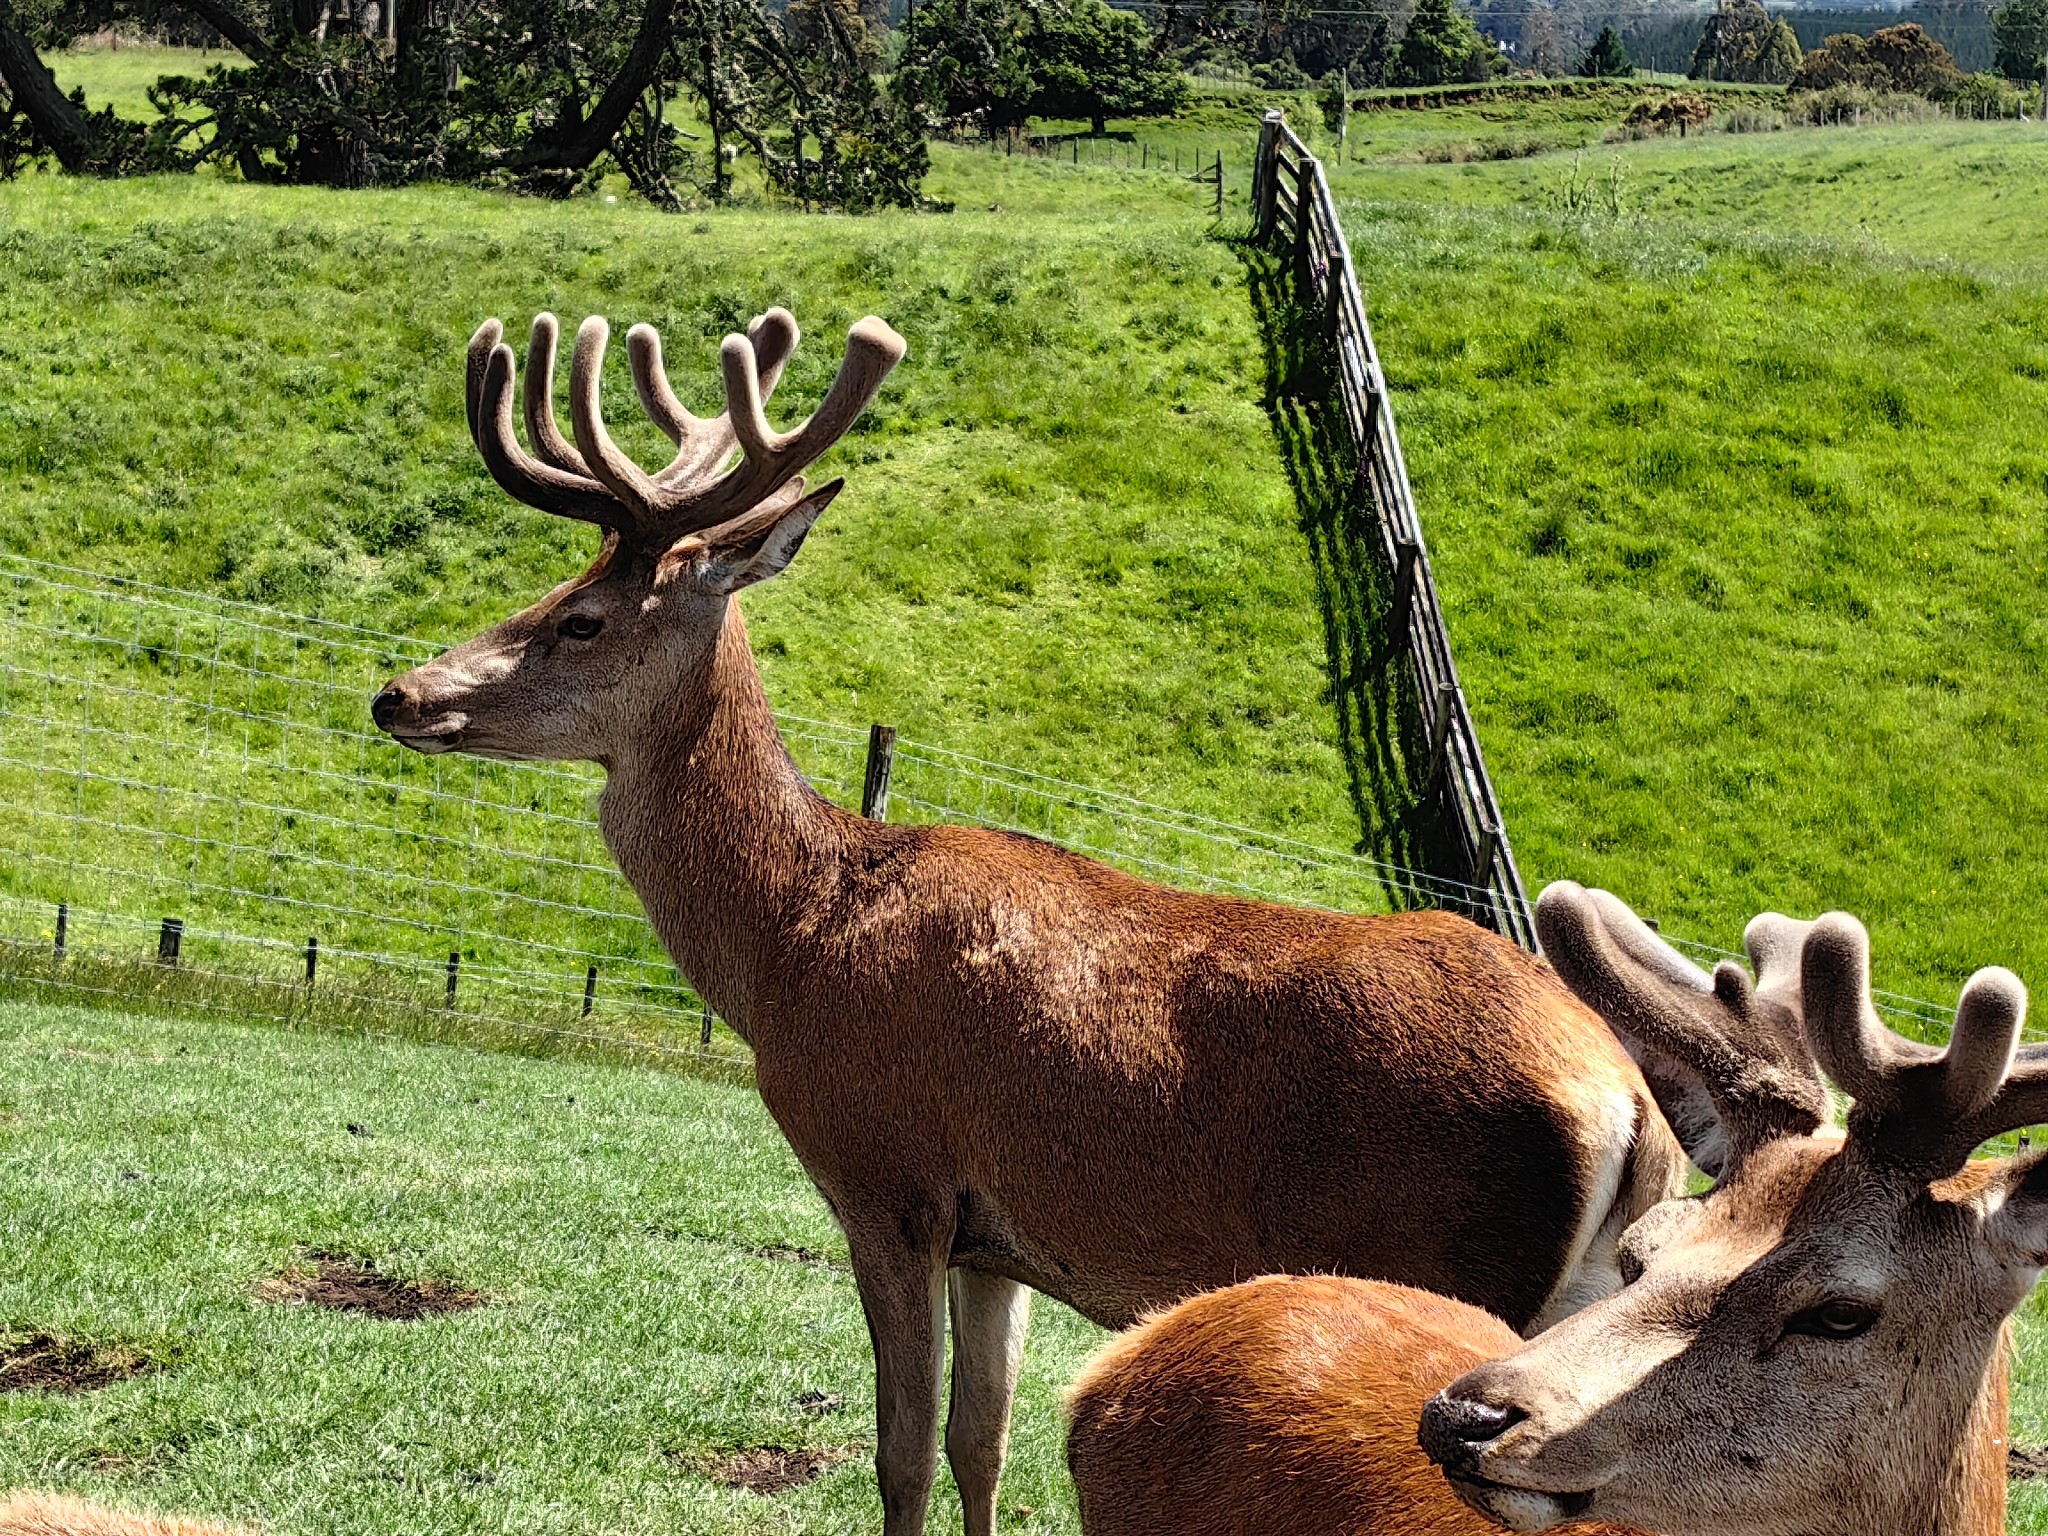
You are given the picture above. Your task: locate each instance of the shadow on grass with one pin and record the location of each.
(1381, 727)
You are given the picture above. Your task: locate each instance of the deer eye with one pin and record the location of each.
(1833, 1320)
(579, 626)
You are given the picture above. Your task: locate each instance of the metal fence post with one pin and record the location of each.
(874, 788)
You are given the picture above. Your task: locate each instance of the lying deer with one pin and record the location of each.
(1006, 1066)
(58, 1514)
(1815, 1348)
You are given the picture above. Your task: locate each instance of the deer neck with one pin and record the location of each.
(1971, 1499)
(721, 837)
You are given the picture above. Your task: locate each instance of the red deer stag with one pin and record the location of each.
(1812, 1349)
(1006, 1066)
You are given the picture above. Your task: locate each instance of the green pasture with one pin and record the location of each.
(663, 1289)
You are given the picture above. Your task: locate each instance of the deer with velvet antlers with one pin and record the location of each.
(1005, 1066)
(1813, 1348)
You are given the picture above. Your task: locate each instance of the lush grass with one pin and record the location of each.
(121, 77)
(1740, 532)
(1973, 193)
(614, 1216)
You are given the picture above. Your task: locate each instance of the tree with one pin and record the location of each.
(1442, 45)
(1098, 63)
(2019, 34)
(1606, 57)
(999, 63)
(1744, 42)
(1902, 58)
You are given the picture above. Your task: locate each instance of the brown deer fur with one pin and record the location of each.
(1281, 1405)
(1004, 1065)
(56, 1514)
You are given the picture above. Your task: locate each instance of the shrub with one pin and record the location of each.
(1902, 58)
(1682, 112)
(1746, 43)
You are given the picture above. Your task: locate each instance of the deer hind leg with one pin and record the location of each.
(990, 1317)
(902, 1293)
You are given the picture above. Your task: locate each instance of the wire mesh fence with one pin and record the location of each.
(168, 757)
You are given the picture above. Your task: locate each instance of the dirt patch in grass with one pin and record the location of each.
(772, 1468)
(42, 1362)
(785, 1253)
(2026, 1463)
(342, 1283)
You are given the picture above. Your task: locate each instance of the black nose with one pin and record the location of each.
(384, 707)
(1452, 1427)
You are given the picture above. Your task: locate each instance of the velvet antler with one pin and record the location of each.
(593, 480)
(1922, 1108)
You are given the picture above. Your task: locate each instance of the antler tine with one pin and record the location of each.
(538, 485)
(702, 443)
(481, 346)
(626, 480)
(1866, 1060)
(539, 399)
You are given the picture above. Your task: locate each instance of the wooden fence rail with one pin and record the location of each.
(1294, 211)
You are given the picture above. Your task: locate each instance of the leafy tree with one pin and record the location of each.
(1606, 57)
(1000, 63)
(1744, 42)
(1901, 58)
(2019, 36)
(1442, 45)
(1098, 63)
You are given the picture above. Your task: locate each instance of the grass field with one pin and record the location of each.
(662, 1286)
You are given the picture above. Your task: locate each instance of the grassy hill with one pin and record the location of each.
(1739, 501)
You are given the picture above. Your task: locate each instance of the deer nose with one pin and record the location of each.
(384, 707)
(1454, 1427)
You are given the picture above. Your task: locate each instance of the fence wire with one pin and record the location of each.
(171, 755)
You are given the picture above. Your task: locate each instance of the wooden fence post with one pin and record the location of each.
(874, 789)
(312, 958)
(704, 1031)
(1440, 733)
(169, 939)
(1407, 554)
(589, 990)
(1265, 176)
(454, 970)
(63, 923)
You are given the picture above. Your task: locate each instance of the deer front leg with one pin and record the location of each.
(902, 1293)
(990, 1317)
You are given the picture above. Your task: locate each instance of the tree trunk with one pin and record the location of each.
(230, 26)
(575, 150)
(57, 120)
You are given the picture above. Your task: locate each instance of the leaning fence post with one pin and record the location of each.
(1440, 733)
(63, 922)
(589, 990)
(874, 789)
(1219, 183)
(169, 939)
(312, 957)
(1407, 555)
(454, 969)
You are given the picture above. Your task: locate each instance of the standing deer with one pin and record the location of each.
(1815, 1348)
(1007, 1067)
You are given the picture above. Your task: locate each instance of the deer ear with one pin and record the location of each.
(757, 545)
(2016, 1217)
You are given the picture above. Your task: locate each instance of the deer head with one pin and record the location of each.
(1806, 1348)
(576, 675)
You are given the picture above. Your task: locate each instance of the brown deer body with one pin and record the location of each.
(1814, 1348)
(1006, 1066)
(1285, 1404)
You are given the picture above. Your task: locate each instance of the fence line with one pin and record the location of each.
(166, 755)
(1292, 203)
